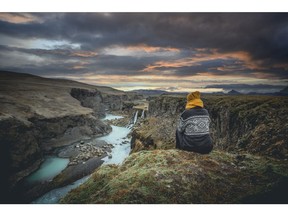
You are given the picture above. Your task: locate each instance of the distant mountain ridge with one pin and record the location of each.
(283, 92)
(150, 92)
(234, 92)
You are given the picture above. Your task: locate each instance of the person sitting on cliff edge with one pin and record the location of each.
(192, 133)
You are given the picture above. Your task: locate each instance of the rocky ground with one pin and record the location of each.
(248, 163)
(82, 151)
(174, 176)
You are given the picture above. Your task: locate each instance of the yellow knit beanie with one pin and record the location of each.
(193, 100)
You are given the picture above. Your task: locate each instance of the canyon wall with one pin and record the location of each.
(90, 98)
(247, 165)
(256, 124)
(38, 115)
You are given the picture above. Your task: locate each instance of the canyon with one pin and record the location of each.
(39, 116)
(247, 165)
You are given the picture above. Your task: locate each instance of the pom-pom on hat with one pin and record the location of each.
(193, 100)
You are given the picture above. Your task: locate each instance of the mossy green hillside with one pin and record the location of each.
(174, 176)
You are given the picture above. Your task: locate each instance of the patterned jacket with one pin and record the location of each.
(193, 131)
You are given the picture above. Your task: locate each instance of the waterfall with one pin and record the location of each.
(143, 114)
(133, 120)
(135, 117)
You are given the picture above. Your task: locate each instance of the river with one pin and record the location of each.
(51, 167)
(118, 138)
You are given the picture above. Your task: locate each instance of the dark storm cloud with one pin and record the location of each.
(206, 66)
(76, 68)
(55, 53)
(99, 64)
(123, 63)
(46, 70)
(31, 30)
(264, 36)
(60, 61)
(219, 67)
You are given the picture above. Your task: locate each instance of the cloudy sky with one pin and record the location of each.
(168, 51)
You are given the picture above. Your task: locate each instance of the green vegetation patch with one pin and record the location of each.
(174, 176)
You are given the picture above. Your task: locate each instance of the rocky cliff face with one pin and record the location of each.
(19, 150)
(157, 131)
(116, 102)
(90, 98)
(256, 124)
(39, 114)
(23, 144)
(113, 102)
(99, 101)
(61, 131)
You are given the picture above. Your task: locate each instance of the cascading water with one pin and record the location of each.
(143, 114)
(135, 117)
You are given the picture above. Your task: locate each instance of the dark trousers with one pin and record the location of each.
(193, 148)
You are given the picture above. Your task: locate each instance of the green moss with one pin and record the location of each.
(173, 176)
(244, 126)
